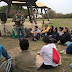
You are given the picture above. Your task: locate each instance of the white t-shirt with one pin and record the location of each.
(47, 53)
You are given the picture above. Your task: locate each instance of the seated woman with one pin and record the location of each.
(25, 61)
(50, 32)
(35, 34)
(71, 35)
(44, 32)
(60, 31)
(68, 50)
(4, 53)
(47, 53)
(65, 37)
(55, 35)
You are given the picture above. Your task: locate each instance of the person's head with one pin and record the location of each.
(55, 29)
(36, 27)
(19, 13)
(60, 28)
(51, 27)
(46, 26)
(47, 40)
(24, 44)
(65, 29)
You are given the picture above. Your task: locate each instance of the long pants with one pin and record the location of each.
(37, 36)
(46, 66)
(4, 53)
(22, 31)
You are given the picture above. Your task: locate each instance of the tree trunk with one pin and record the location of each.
(33, 14)
(8, 10)
(42, 16)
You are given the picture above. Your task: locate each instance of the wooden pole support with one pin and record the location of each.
(42, 15)
(33, 13)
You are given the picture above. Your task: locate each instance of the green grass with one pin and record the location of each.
(10, 43)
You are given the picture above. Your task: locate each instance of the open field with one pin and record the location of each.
(12, 46)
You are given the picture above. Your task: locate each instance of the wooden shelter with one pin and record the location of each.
(20, 3)
(30, 5)
(42, 6)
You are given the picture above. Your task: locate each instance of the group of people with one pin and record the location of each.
(26, 60)
(61, 35)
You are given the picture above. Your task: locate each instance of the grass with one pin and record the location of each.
(10, 43)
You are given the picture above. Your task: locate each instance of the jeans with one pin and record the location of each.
(22, 33)
(4, 53)
(37, 36)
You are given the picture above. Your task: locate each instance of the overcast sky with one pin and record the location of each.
(60, 6)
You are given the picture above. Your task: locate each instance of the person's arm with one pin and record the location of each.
(44, 31)
(57, 35)
(32, 32)
(22, 19)
(14, 19)
(4, 53)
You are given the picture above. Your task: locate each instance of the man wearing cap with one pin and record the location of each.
(19, 20)
(35, 34)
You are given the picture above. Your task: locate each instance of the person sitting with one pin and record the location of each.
(44, 32)
(35, 34)
(60, 31)
(68, 50)
(47, 53)
(65, 37)
(4, 53)
(55, 35)
(25, 61)
(50, 32)
(71, 35)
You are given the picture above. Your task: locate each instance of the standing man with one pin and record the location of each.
(19, 20)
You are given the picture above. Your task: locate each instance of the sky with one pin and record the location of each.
(59, 6)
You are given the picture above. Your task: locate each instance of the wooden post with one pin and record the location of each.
(8, 10)
(29, 13)
(33, 14)
(42, 16)
(46, 15)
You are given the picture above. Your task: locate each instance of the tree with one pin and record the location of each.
(51, 13)
(13, 11)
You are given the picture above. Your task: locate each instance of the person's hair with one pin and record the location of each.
(46, 25)
(24, 44)
(56, 29)
(67, 29)
(36, 26)
(52, 27)
(47, 39)
(61, 28)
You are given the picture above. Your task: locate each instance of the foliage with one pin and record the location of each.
(13, 11)
(52, 14)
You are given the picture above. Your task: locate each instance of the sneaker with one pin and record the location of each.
(35, 39)
(63, 52)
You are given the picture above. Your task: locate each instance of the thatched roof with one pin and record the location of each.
(10, 1)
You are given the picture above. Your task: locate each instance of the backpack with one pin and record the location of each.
(56, 57)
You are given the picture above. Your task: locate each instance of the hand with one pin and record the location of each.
(59, 41)
(17, 19)
(36, 31)
(21, 22)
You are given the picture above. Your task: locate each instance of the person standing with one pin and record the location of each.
(19, 20)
